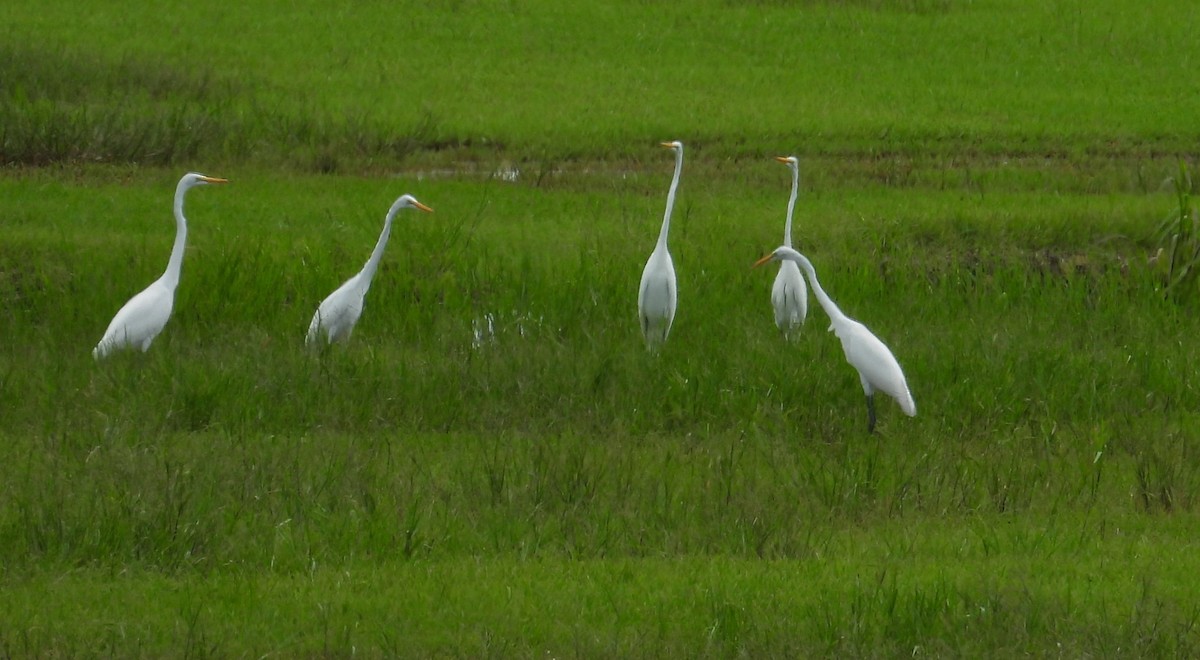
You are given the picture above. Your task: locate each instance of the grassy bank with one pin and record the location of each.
(369, 87)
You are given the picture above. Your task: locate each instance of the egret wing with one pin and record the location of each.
(877, 366)
(138, 321)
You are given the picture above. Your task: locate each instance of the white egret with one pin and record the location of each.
(789, 295)
(657, 293)
(140, 320)
(877, 367)
(337, 314)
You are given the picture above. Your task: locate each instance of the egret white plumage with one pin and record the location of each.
(877, 367)
(140, 320)
(789, 295)
(336, 315)
(657, 293)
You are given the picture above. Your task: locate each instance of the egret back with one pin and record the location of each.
(789, 297)
(336, 315)
(657, 296)
(138, 321)
(876, 365)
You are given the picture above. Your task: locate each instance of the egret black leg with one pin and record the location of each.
(870, 413)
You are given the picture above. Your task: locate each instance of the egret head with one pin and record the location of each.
(782, 252)
(790, 161)
(674, 146)
(192, 179)
(410, 202)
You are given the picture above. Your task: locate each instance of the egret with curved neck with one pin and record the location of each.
(657, 293)
(877, 367)
(789, 295)
(336, 315)
(141, 319)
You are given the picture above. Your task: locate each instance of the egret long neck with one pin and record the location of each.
(787, 228)
(827, 303)
(372, 265)
(175, 263)
(666, 225)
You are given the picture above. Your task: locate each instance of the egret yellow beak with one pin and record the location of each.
(782, 159)
(422, 206)
(213, 179)
(668, 145)
(763, 260)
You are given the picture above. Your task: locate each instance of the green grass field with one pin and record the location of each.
(494, 465)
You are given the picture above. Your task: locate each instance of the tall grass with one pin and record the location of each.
(1178, 238)
(494, 465)
(551, 432)
(1052, 410)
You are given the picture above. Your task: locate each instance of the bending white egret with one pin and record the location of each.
(657, 293)
(337, 314)
(145, 315)
(789, 295)
(877, 367)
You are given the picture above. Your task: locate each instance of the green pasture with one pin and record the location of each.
(494, 466)
(334, 87)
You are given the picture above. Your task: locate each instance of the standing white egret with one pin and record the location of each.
(657, 293)
(789, 295)
(877, 367)
(140, 320)
(337, 314)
